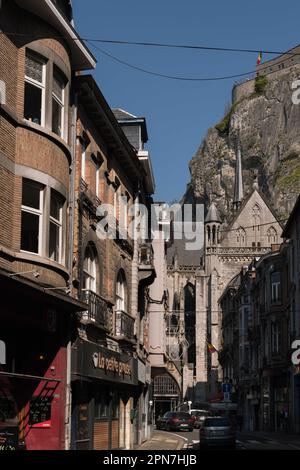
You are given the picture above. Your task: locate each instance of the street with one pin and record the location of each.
(246, 440)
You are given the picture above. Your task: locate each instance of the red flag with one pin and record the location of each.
(259, 59)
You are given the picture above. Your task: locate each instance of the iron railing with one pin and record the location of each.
(99, 310)
(124, 325)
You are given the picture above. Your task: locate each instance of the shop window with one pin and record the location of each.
(58, 98)
(55, 231)
(115, 404)
(34, 99)
(32, 215)
(101, 409)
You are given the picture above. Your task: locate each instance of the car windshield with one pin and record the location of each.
(215, 422)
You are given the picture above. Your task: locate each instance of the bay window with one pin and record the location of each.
(55, 229)
(34, 99)
(32, 216)
(58, 93)
(43, 215)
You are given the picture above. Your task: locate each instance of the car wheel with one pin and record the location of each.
(168, 428)
(190, 429)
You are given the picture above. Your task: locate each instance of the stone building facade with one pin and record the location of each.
(249, 232)
(111, 272)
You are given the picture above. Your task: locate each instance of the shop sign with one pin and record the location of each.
(2, 353)
(102, 363)
(9, 437)
(40, 412)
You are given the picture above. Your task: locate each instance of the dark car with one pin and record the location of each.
(199, 417)
(175, 421)
(217, 431)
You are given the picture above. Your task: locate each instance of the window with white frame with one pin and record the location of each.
(32, 216)
(55, 227)
(275, 287)
(121, 292)
(34, 99)
(97, 165)
(58, 98)
(275, 338)
(90, 269)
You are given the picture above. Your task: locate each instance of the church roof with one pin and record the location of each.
(213, 214)
(246, 200)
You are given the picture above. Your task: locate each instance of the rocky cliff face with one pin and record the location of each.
(269, 129)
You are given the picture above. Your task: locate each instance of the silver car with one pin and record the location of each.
(217, 431)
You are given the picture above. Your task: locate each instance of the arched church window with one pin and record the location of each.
(256, 211)
(241, 237)
(272, 235)
(208, 233)
(214, 234)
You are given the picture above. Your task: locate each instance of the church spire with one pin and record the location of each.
(238, 184)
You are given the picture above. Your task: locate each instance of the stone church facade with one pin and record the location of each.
(196, 281)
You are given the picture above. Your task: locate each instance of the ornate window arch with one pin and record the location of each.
(121, 292)
(256, 214)
(90, 268)
(241, 236)
(272, 235)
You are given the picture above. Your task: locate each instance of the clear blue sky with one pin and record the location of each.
(179, 113)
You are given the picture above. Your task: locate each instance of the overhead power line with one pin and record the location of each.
(175, 77)
(155, 44)
(91, 41)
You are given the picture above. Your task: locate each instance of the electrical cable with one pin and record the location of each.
(161, 75)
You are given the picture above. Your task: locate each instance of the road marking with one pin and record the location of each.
(177, 435)
(254, 442)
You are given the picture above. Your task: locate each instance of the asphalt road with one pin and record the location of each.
(245, 441)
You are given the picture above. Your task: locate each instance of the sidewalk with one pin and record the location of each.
(162, 441)
(276, 436)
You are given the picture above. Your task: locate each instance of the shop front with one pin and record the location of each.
(104, 396)
(35, 329)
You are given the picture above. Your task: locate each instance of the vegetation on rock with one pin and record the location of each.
(260, 84)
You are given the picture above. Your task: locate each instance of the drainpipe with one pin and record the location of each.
(68, 411)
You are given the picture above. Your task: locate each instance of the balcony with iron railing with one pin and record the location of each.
(99, 310)
(124, 326)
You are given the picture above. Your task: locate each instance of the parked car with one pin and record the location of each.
(199, 417)
(217, 431)
(175, 421)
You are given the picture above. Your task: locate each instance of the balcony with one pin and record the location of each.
(147, 272)
(99, 310)
(124, 326)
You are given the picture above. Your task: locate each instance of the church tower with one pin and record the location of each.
(212, 237)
